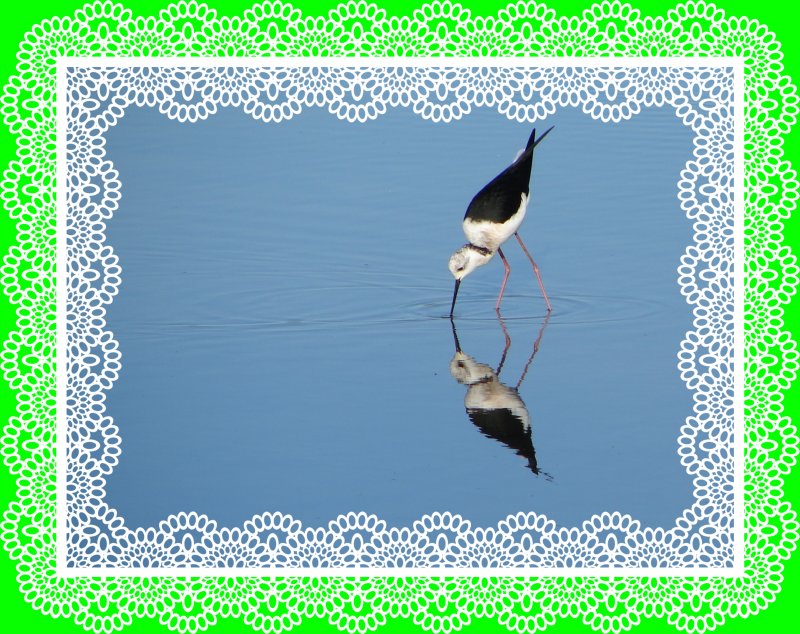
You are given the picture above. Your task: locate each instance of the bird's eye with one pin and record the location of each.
(460, 268)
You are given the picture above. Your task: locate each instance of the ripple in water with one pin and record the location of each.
(567, 309)
(315, 306)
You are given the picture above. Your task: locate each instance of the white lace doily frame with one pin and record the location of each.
(694, 28)
(94, 94)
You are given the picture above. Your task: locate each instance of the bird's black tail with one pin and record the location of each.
(533, 141)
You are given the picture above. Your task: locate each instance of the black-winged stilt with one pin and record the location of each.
(494, 215)
(496, 409)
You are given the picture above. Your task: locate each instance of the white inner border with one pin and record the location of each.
(737, 445)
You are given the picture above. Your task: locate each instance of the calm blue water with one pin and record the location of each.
(281, 318)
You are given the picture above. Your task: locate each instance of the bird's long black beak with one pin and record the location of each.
(455, 293)
(455, 334)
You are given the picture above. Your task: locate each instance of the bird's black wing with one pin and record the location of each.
(501, 198)
(502, 425)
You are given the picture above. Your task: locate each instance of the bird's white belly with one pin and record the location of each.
(494, 395)
(490, 234)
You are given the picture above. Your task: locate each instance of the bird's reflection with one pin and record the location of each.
(496, 409)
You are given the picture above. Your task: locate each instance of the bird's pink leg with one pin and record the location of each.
(505, 279)
(536, 271)
(535, 350)
(507, 346)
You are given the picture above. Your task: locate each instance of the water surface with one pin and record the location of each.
(281, 318)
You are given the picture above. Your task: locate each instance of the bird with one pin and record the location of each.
(496, 409)
(493, 216)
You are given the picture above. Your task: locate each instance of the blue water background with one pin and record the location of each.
(281, 318)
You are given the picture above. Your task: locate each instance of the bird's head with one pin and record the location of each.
(467, 371)
(466, 260)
